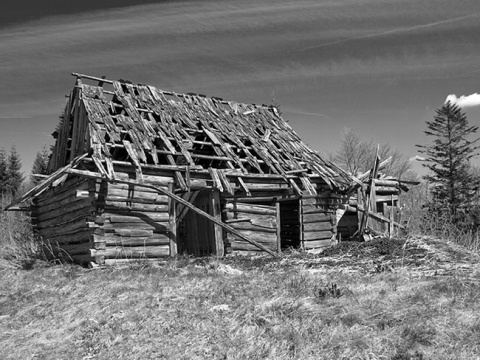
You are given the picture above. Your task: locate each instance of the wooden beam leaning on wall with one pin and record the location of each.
(178, 199)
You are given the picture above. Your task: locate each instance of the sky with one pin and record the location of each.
(380, 67)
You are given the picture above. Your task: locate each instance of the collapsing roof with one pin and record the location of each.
(145, 172)
(150, 127)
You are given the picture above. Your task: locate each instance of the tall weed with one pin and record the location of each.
(19, 247)
(424, 217)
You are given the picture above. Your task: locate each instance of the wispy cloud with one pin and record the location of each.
(405, 29)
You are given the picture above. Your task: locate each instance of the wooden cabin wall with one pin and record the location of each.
(318, 215)
(257, 222)
(134, 222)
(64, 218)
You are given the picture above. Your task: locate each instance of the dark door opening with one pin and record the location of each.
(290, 224)
(195, 234)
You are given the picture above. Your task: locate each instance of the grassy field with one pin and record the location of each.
(379, 300)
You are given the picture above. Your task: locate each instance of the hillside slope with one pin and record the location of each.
(380, 300)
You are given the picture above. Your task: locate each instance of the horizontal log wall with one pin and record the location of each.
(257, 222)
(64, 217)
(319, 228)
(134, 221)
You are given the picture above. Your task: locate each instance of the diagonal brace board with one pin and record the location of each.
(177, 199)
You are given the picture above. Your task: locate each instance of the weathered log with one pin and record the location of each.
(252, 227)
(159, 227)
(132, 232)
(135, 216)
(56, 217)
(260, 237)
(52, 211)
(66, 229)
(53, 197)
(250, 209)
(77, 249)
(77, 237)
(115, 194)
(132, 252)
(252, 217)
(126, 205)
(317, 226)
(126, 188)
(113, 239)
(318, 217)
(315, 244)
(244, 246)
(317, 235)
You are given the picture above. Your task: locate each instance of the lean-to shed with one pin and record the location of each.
(138, 172)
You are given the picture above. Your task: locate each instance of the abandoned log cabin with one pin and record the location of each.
(138, 172)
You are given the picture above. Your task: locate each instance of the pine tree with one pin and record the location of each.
(448, 159)
(3, 171)
(40, 164)
(14, 174)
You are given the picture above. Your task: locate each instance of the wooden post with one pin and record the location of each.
(279, 224)
(391, 228)
(172, 217)
(300, 224)
(217, 213)
(360, 214)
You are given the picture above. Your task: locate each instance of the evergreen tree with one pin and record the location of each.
(14, 174)
(40, 164)
(448, 159)
(3, 171)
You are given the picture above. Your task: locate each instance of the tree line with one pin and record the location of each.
(12, 179)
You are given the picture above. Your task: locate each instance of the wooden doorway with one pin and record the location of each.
(290, 229)
(197, 235)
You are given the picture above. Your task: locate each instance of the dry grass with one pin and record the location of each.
(19, 247)
(356, 303)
